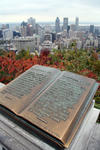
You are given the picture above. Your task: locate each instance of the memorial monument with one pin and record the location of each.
(49, 102)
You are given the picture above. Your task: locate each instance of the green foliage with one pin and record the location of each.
(23, 54)
(97, 106)
(2, 52)
(97, 100)
(97, 66)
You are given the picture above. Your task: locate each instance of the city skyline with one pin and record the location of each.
(48, 10)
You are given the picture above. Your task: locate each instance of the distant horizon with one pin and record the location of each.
(53, 22)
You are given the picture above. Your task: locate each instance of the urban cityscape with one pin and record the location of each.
(49, 75)
(58, 35)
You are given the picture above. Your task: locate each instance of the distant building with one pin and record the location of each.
(91, 28)
(73, 27)
(48, 36)
(96, 43)
(65, 24)
(31, 43)
(53, 37)
(47, 28)
(5, 26)
(32, 24)
(77, 23)
(57, 25)
(58, 36)
(99, 41)
(30, 30)
(23, 29)
(96, 32)
(16, 34)
(31, 21)
(7, 34)
(1, 34)
(64, 34)
(79, 44)
(40, 31)
(47, 45)
(68, 28)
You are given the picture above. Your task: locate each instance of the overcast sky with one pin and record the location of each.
(48, 10)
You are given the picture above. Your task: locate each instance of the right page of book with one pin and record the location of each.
(57, 108)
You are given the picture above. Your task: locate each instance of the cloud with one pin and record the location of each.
(46, 10)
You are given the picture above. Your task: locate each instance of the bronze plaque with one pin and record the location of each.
(58, 107)
(52, 100)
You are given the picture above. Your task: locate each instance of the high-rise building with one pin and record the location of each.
(77, 23)
(57, 25)
(23, 29)
(65, 23)
(53, 37)
(91, 28)
(31, 21)
(30, 30)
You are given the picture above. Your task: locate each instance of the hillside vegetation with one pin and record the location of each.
(83, 62)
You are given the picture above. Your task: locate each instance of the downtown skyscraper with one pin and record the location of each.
(57, 25)
(65, 23)
(77, 23)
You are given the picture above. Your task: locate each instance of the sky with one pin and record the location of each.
(48, 10)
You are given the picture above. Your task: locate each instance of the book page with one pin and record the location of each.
(18, 94)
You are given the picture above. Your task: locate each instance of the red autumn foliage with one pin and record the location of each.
(89, 73)
(44, 52)
(10, 67)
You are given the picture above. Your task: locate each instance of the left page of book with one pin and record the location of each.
(19, 93)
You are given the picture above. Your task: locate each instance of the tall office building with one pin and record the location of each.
(57, 25)
(65, 24)
(23, 29)
(31, 21)
(77, 23)
(91, 28)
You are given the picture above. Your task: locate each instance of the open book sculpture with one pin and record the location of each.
(51, 102)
